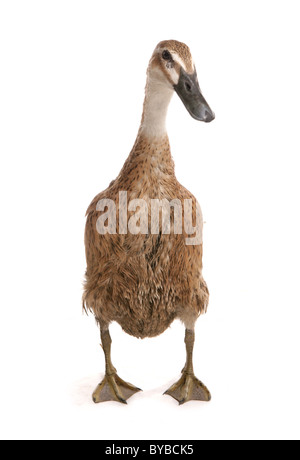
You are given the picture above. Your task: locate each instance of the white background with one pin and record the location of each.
(71, 87)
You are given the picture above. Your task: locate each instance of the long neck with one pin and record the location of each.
(150, 156)
(156, 103)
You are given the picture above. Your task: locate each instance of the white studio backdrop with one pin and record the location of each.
(71, 91)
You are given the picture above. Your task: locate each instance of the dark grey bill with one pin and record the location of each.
(189, 92)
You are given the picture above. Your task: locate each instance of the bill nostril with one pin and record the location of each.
(188, 87)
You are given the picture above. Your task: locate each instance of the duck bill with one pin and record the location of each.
(188, 90)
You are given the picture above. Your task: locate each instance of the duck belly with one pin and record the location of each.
(148, 283)
(151, 320)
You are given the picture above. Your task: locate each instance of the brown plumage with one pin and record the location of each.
(145, 281)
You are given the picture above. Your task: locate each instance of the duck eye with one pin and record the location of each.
(166, 55)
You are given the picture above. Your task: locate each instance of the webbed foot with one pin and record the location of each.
(188, 388)
(113, 388)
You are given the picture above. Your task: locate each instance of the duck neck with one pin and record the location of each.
(152, 148)
(156, 103)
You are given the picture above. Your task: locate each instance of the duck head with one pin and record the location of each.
(172, 65)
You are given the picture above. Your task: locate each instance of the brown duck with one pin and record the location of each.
(144, 259)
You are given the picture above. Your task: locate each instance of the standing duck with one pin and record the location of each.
(144, 271)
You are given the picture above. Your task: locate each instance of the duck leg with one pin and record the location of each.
(188, 386)
(112, 387)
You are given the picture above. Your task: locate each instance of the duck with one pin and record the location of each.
(143, 249)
